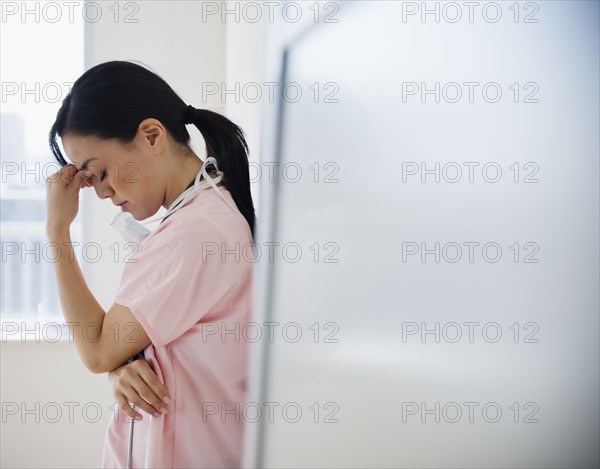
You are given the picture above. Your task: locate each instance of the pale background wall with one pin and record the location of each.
(172, 39)
(372, 293)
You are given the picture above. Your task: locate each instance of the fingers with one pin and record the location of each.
(140, 385)
(79, 180)
(126, 408)
(158, 388)
(64, 175)
(150, 388)
(69, 174)
(146, 399)
(139, 398)
(129, 394)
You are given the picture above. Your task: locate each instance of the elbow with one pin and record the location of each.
(96, 365)
(93, 366)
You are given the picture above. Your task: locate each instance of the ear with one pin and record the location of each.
(153, 135)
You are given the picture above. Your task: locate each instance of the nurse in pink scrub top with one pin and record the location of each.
(187, 286)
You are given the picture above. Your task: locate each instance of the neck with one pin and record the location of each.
(182, 176)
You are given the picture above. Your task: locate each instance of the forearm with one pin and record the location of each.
(82, 312)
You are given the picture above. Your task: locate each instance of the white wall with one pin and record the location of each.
(276, 35)
(43, 382)
(374, 295)
(244, 69)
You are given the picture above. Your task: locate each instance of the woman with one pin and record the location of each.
(124, 130)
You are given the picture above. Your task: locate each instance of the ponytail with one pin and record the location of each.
(111, 99)
(226, 142)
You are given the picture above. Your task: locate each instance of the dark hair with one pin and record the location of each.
(111, 99)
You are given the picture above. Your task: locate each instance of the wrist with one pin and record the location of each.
(58, 233)
(114, 373)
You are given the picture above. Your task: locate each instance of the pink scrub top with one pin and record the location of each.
(189, 286)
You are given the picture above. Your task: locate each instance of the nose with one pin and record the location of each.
(103, 190)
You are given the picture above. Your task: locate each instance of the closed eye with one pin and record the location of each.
(102, 176)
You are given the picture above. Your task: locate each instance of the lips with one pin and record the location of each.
(122, 204)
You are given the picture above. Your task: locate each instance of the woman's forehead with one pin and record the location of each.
(83, 150)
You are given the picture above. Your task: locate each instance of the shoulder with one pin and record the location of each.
(214, 215)
(205, 219)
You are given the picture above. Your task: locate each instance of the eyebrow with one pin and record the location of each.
(84, 165)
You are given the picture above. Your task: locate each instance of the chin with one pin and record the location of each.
(141, 215)
(137, 216)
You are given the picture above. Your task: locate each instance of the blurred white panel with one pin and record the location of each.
(499, 262)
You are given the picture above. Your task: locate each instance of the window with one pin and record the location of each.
(40, 57)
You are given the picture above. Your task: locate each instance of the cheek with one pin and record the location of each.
(143, 187)
(130, 183)
(147, 198)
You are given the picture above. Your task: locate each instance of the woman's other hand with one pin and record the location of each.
(136, 382)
